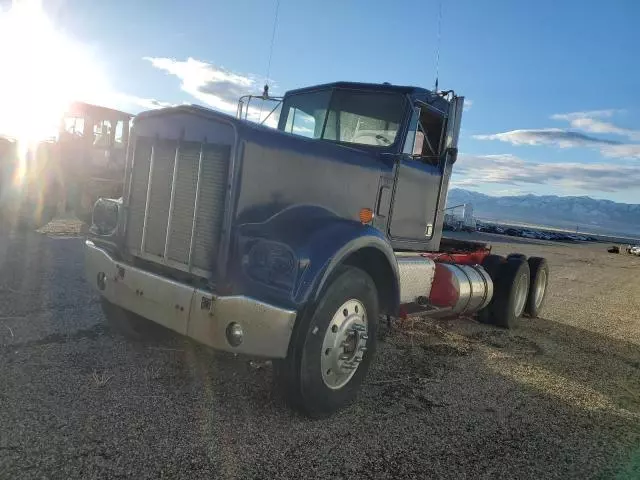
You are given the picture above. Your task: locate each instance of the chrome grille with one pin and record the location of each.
(195, 222)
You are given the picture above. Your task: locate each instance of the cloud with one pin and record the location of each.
(547, 136)
(213, 85)
(588, 114)
(467, 104)
(306, 131)
(590, 122)
(218, 87)
(152, 103)
(566, 139)
(622, 151)
(134, 102)
(508, 169)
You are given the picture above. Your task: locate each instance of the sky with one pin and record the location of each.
(550, 86)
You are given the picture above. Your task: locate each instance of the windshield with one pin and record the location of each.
(347, 116)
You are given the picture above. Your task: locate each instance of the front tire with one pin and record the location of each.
(332, 346)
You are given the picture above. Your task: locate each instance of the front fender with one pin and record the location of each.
(321, 242)
(332, 246)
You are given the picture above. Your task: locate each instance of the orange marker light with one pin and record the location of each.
(366, 215)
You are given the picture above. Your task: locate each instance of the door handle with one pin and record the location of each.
(384, 201)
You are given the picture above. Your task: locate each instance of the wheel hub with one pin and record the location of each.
(522, 290)
(541, 287)
(345, 344)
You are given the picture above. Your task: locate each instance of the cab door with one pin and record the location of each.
(415, 199)
(421, 179)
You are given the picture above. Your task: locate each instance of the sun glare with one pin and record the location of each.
(42, 72)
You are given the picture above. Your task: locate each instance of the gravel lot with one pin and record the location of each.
(557, 397)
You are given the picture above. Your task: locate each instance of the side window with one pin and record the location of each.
(424, 136)
(101, 134)
(74, 125)
(300, 123)
(411, 133)
(119, 140)
(432, 125)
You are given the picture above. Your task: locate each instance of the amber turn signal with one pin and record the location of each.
(366, 215)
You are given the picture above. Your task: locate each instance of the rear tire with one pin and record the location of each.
(492, 265)
(128, 324)
(510, 292)
(332, 346)
(539, 276)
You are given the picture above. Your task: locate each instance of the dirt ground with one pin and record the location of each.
(556, 397)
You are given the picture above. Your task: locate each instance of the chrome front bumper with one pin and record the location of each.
(190, 311)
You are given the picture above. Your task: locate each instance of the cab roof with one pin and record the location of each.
(418, 93)
(365, 86)
(84, 109)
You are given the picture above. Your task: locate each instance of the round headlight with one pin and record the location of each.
(105, 216)
(272, 263)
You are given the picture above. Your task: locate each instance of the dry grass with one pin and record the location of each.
(64, 226)
(100, 379)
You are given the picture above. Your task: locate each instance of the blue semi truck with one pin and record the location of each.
(293, 243)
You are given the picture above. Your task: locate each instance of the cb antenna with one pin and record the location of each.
(438, 41)
(265, 93)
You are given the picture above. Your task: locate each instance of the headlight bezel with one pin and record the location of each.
(105, 216)
(270, 263)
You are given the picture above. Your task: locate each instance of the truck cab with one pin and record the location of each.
(407, 129)
(292, 242)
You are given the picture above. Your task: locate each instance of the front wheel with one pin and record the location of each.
(332, 346)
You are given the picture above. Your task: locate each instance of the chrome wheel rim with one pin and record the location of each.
(541, 288)
(522, 289)
(344, 345)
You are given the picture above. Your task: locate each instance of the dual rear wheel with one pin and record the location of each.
(520, 288)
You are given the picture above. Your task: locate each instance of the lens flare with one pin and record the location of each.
(42, 72)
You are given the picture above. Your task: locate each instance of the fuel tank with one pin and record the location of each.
(463, 288)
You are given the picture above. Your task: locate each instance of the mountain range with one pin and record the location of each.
(584, 213)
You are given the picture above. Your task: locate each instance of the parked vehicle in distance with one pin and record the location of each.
(292, 244)
(71, 171)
